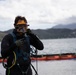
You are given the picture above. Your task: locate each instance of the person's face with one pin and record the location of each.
(21, 26)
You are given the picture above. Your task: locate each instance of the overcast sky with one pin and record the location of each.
(39, 13)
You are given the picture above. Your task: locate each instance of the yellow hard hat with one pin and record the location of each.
(20, 22)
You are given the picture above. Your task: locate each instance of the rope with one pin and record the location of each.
(35, 53)
(13, 63)
(34, 69)
(36, 61)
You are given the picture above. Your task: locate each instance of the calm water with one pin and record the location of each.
(53, 46)
(60, 67)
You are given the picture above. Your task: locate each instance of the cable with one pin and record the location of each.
(36, 61)
(13, 63)
(34, 52)
(34, 69)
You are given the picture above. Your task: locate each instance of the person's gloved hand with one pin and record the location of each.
(19, 43)
(29, 31)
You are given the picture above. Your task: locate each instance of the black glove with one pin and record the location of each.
(29, 32)
(19, 43)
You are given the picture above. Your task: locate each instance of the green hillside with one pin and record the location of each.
(48, 33)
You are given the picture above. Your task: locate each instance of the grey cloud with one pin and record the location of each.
(68, 20)
(38, 11)
(5, 23)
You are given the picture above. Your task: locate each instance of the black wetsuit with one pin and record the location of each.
(7, 48)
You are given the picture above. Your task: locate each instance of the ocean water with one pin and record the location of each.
(54, 46)
(59, 67)
(55, 67)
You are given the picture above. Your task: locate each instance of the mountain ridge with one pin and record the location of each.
(49, 33)
(58, 31)
(68, 26)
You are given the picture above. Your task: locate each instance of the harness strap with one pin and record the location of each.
(21, 52)
(18, 54)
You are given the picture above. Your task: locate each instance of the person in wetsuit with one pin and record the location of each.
(16, 47)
